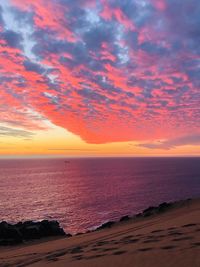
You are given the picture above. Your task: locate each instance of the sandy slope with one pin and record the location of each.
(171, 239)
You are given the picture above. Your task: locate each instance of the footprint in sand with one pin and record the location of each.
(183, 238)
(94, 256)
(151, 241)
(138, 235)
(117, 242)
(94, 249)
(119, 252)
(109, 249)
(144, 249)
(101, 243)
(189, 225)
(172, 228)
(157, 231)
(196, 244)
(175, 233)
(160, 236)
(77, 257)
(130, 241)
(127, 237)
(53, 259)
(151, 236)
(76, 250)
(168, 247)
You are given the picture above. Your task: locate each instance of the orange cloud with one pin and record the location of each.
(100, 72)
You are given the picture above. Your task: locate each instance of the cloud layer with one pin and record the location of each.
(105, 70)
(193, 140)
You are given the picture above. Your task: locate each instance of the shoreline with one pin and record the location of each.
(165, 236)
(53, 230)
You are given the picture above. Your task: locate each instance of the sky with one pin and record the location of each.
(100, 77)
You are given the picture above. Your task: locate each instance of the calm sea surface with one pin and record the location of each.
(83, 193)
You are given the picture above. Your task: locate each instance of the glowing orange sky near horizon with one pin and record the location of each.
(99, 77)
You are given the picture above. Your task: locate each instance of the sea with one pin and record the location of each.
(83, 193)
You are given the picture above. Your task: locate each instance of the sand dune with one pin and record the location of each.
(170, 239)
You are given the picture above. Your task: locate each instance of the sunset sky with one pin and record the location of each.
(100, 77)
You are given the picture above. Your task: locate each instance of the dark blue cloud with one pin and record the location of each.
(31, 66)
(102, 32)
(154, 48)
(92, 95)
(12, 38)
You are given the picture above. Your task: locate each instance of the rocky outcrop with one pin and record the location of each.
(105, 225)
(124, 218)
(145, 213)
(156, 210)
(12, 234)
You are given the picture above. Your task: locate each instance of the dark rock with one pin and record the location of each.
(30, 232)
(78, 234)
(164, 206)
(124, 218)
(156, 210)
(149, 211)
(12, 234)
(51, 228)
(138, 215)
(68, 235)
(105, 225)
(8, 231)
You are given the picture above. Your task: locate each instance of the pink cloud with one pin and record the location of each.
(101, 72)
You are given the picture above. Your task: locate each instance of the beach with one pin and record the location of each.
(164, 239)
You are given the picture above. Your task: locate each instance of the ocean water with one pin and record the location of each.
(84, 193)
